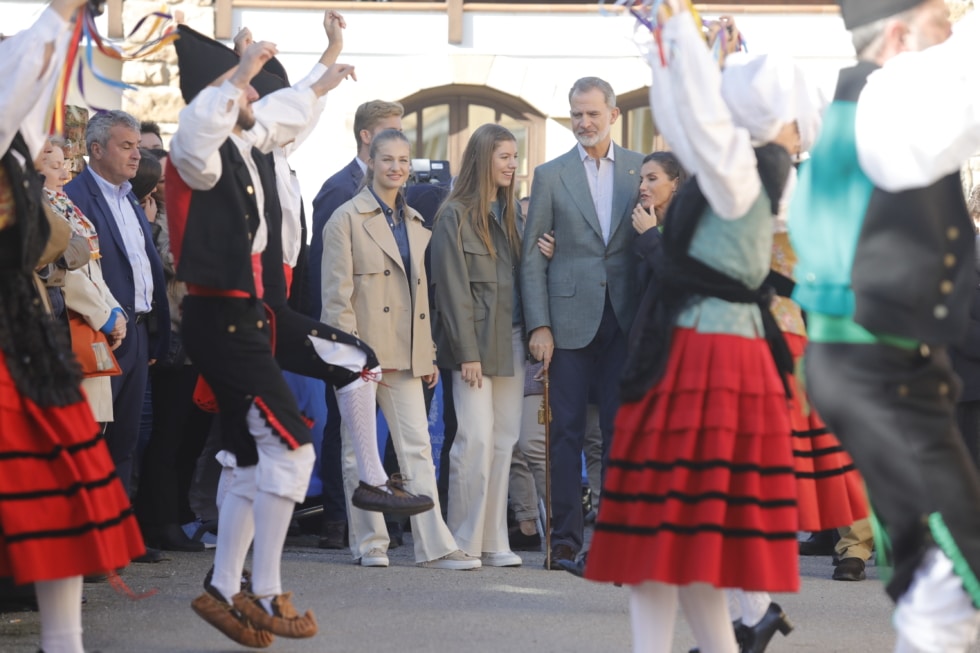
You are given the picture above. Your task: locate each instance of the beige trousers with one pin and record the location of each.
(402, 403)
(489, 423)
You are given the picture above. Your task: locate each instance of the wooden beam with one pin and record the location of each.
(223, 20)
(455, 10)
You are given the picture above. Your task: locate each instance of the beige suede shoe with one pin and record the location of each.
(225, 618)
(284, 621)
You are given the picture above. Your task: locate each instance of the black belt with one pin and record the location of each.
(142, 317)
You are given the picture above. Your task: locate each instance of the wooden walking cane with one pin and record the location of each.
(544, 417)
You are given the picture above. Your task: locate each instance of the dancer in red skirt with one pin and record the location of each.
(63, 511)
(701, 477)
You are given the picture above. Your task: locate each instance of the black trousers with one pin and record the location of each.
(893, 410)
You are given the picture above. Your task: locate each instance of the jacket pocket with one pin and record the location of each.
(480, 266)
(561, 287)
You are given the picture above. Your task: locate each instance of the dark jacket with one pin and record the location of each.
(85, 192)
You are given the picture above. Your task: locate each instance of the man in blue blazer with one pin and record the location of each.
(579, 306)
(369, 119)
(131, 267)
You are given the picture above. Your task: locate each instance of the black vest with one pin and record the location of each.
(217, 246)
(913, 273)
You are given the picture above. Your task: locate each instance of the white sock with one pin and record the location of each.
(653, 610)
(236, 527)
(60, 605)
(358, 411)
(272, 516)
(706, 611)
(754, 606)
(734, 606)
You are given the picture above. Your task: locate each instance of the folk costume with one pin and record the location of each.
(63, 511)
(886, 276)
(234, 314)
(830, 491)
(701, 475)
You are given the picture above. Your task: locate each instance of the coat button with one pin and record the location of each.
(421, 316)
(232, 328)
(250, 190)
(952, 233)
(943, 389)
(903, 390)
(924, 351)
(386, 309)
(602, 284)
(314, 332)
(940, 312)
(946, 287)
(811, 277)
(949, 260)
(387, 273)
(260, 324)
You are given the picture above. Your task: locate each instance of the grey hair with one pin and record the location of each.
(869, 39)
(102, 123)
(586, 84)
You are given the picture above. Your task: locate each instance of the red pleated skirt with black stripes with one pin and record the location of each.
(63, 511)
(830, 489)
(700, 485)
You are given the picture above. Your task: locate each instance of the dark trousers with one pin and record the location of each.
(178, 434)
(128, 390)
(449, 425)
(573, 373)
(893, 410)
(968, 422)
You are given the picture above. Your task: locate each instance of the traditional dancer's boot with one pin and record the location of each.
(283, 621)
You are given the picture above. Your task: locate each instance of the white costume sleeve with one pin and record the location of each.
(281, 117)
(918, 117)
(321, 103)
(691, 114)
(204, 125)
(29, 78)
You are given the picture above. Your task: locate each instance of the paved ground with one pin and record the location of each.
(405, 609)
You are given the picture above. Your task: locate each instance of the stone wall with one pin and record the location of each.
(157, 75)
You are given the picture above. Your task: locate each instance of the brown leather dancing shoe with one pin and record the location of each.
(230, 621)
(395, 500)
(284, 621)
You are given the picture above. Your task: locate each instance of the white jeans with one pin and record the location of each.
(401, 400)
(489, 424)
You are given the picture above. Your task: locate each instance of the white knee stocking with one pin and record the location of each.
(653, 610)
(60, 604)
(752, 605)
(236, 527)
(358, 411)
(272, 516)
(706, 611)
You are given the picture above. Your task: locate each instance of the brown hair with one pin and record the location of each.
(475, 185)
(369, 114)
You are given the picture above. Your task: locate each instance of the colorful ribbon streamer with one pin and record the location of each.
(86, 30)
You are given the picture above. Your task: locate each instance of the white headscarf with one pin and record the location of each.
(764, 92)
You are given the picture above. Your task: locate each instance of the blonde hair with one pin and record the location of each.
(369, 114)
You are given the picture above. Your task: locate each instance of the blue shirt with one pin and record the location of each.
(398, 230)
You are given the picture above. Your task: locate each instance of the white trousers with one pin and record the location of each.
(935, 615)
(401, 400)
(489, 424)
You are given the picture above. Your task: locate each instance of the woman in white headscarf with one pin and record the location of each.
(701, 478)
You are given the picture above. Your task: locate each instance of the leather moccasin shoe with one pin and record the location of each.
(392, 498)
(284, 620)
(230, 621)
(849, 569)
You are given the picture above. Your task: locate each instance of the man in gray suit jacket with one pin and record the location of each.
(579, 306)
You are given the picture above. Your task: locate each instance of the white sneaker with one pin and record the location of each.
(374, 558)
(457, 560)
(502, 559)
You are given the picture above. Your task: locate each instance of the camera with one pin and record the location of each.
(427, 171)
